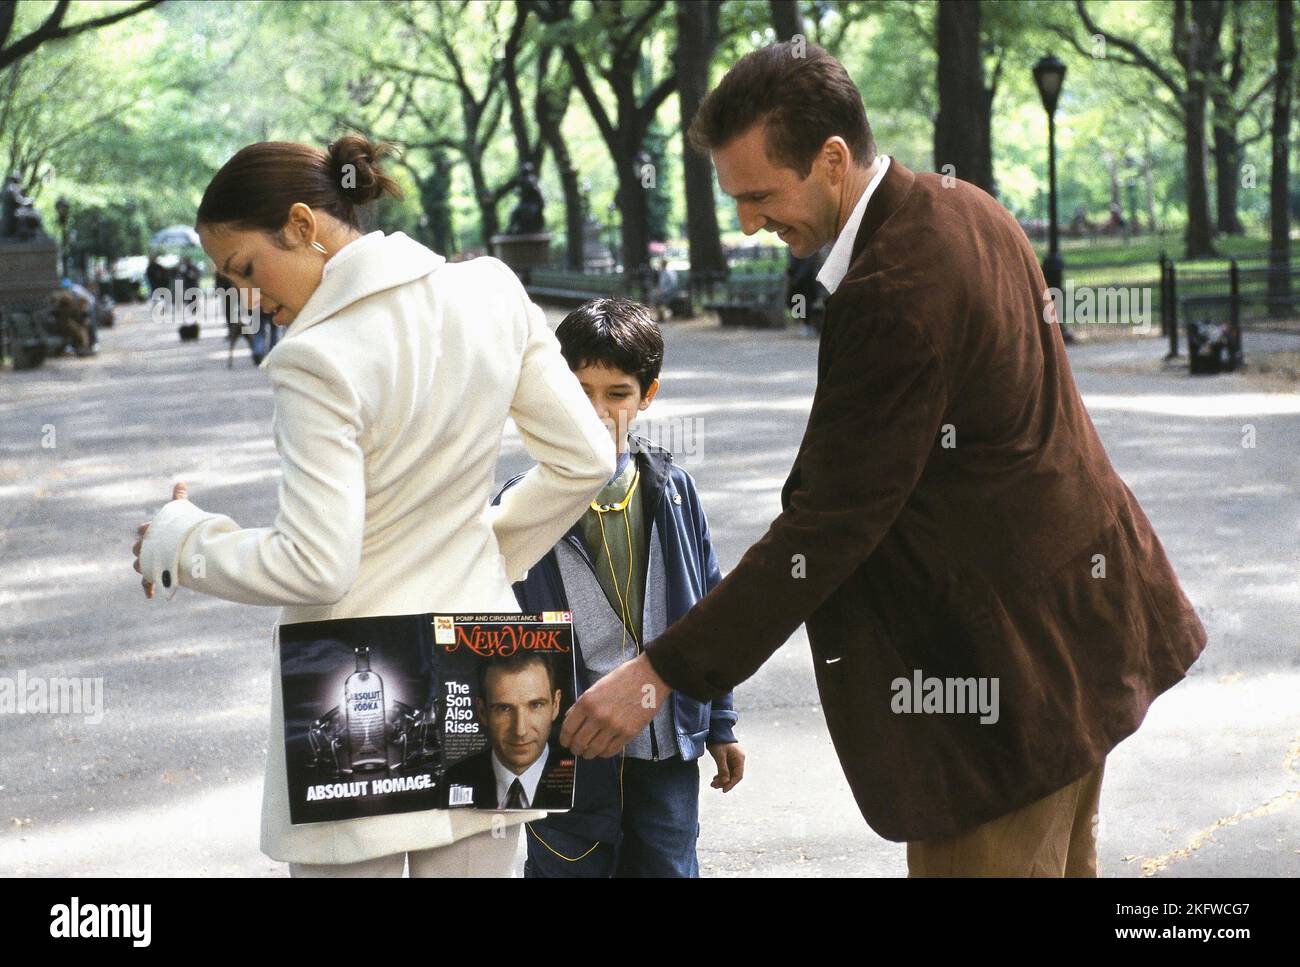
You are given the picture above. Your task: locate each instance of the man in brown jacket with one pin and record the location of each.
(989, 610)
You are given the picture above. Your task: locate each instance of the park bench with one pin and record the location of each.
(756, 300)
(574, 288)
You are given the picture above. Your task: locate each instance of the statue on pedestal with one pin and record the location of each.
(21, 220)
(527, 218)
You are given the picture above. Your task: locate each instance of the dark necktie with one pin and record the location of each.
(515, 799)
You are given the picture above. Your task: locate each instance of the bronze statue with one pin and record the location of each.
(527, 217)
(21, 220)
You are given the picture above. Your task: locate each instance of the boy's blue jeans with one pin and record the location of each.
(661, 823)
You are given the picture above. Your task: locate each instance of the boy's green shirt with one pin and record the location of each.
(612, 566)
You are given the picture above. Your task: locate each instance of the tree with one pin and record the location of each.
(52, 28)
(480, 110)
(659, 200)
(550, 104)
(439, 83)
(1194, 43)
(786, 18)
(697, 39)
(109, 231)
(962, 129)
(611, 41)
(434, 189)
(1279, 255)
(840, 16)
(106, 118)
(458, 38)
(1227, 77)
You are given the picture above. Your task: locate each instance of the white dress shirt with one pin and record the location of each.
(836, 265)
(529, 780)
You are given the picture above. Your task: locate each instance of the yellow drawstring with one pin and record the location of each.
(625, 616)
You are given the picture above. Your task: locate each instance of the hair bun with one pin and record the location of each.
(354, 166)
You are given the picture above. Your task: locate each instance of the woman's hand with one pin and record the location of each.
(179, 492)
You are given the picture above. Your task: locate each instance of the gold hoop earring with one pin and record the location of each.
(319, 247)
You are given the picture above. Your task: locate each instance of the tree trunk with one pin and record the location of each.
(962, 128)
(624, 136)
(1112, 170)
(1279, 215)
(1227, 172)
(1199, 237)
(786, 19)
(634, 232)
(697, 37)
(1148, 182)
(435, 200)
(483, 197)
(548, 123)
(1201, 42)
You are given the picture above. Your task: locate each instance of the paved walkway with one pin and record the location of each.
(170, 781)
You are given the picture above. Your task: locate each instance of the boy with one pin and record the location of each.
(636, 561)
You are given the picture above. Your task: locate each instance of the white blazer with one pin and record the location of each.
(392, 388)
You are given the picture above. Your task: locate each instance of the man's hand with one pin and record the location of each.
(731, 765)
(614, 710)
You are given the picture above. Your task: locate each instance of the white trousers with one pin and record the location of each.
(490, 853)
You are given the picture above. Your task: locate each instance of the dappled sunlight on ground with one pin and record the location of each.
(170, 781)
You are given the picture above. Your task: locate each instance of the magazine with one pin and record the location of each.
(399, 713)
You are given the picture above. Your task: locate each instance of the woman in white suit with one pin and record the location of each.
(392, 386)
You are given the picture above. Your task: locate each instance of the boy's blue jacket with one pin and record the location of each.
(677, 521)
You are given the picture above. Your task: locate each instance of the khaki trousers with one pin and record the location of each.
(1055, 836)
(480, 855)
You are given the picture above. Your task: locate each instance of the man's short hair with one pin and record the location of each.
(613, 332)
(802, 99)
(515, 663)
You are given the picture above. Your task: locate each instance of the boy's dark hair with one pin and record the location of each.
(805, 96)
(613, 332)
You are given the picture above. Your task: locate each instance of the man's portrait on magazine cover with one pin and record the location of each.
(523, 766)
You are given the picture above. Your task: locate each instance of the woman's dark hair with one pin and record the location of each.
(256, 188)
(614, 332)
(802, 93)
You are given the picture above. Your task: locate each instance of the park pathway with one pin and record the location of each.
(169, 782)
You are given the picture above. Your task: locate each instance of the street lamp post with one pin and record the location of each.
(1049, 75)
(1130, 188)
(613, 236)
(62, 207)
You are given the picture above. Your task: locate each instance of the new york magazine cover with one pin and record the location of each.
(399, 713)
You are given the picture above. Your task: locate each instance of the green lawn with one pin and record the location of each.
(1081, 253)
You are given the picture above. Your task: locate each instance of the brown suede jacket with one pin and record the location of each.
(951, 512)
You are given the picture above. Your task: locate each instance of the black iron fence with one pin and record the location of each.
(1237, 292)
(1140, 298)
(1110, 297)
(754, 279)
